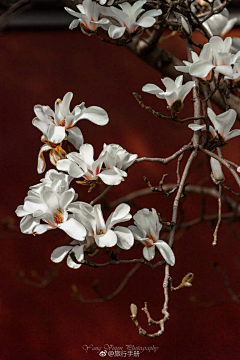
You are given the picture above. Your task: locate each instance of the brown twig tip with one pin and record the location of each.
(186, 282)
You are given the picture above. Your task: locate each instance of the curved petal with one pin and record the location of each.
(75, 171)
(110, 177)
(233, 134)
(56, 134)
(27, 224)
(166, 252)
(149, 252)
(42, 228)
(41, 165)
(63, 165)
(201, 68)
(66, 198)
(65, 104)
(115, 32)
(95, 114)
(41, 125)
(59, 253)
(108, 239)
(196, 127)
(169, 84)
(74, 229)
(152, 89)
(72, 264)
(125, 238)
(118, 215)
(138, 235)
(75, 137)
(146, 22)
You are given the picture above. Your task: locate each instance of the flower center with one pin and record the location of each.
(100, 232)
(62, 123)
(58, 216)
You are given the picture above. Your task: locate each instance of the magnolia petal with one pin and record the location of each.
(169, 84)
(42, 228)
(65, 104)
(51, 200)
(74, 24)
(56, 134)
(184, 69)
(152, 89)
(201, 68)
(78, 252)
(225, 70)
(20, 211)
(233, 134)
(74, 229)
(110, 177)
(75, 137)
(72, 264)
(118, 215)
(41, 125)
(146, 21)
(95, 114)
(75, 171)
(57, 154)
(125, 238)
(166, 252)
(27, 224)
(66, 198)
(149, 252)
(41, 166)
(59, 253)
(115, 32)
(230, 24)
(185, 89)
(63, 165)
(136, 232)
(108, 239)
(196, 127)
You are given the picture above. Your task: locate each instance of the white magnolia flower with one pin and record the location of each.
(82, 164)
(55, 180)
(59, 125)
(219, 24)
(222, 124)
(128, 18)
(88, 17)
(205, 55)
(217, 174)
(103, 232)
(175, 92)
(214, 56)
(75, 247)
(116, 161)
(146, 230)
(50, 205)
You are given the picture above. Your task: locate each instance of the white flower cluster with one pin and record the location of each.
(216, 56)
(59, 125)
(175, 92)
(116, 21)
(51, 204)
(82, 164)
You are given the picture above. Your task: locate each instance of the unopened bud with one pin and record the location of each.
(186, 30)
(217, 174)
(133, 309)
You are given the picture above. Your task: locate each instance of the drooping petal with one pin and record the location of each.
(125, 238)
(59, 253)
(115, 32)
(42, 228)
(41, 166)
(27, 224)
(95, 114)
(74, 229)
(56, 134)
(232, 134)
(110, 177)
(108, 239)
(152, 89)
(146, 21)
(166, 252)
(201, 68)
(118, 215)
(41, 125)
(75, 137)
(149, 252)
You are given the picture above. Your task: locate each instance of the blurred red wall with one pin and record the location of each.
(37, 67)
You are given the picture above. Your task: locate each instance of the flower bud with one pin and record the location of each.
(217, 174)
(133, 309)
(186, 30)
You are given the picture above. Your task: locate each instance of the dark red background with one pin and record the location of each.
(46, 324)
